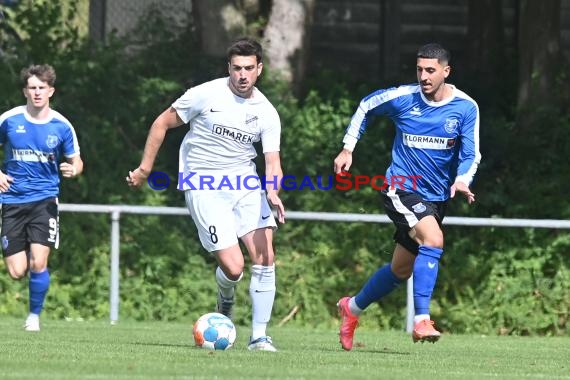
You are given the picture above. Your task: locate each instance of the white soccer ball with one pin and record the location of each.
(214, 331)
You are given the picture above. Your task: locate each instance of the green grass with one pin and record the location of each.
(160, 350)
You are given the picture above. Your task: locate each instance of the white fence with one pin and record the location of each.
(116, 210)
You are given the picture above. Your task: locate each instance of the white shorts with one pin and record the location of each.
(223, 216)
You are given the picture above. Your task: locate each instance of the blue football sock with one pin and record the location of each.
(378, 285)
(39, 285)
(425, 276)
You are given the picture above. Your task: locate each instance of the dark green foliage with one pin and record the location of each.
(513, 282)
(493, 280)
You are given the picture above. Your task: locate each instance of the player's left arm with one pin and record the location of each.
(73, 164)
(72, 167)
(469, 155)
(274, 176)
(271, 141)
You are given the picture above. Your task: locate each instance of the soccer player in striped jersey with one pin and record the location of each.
(434, 156)
(39, 144)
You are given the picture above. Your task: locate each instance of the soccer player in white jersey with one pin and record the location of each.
(434, 156)
(221, 186)
(38, 144)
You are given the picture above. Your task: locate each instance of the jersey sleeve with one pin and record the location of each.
(65, 130)
(3, 125)
(271, 133)
(469, 155)
(189, 105)
(382, 102)
(2, 134)
(70, 142)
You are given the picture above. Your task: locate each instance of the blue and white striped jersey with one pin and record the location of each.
(33, 150)
(437, 143)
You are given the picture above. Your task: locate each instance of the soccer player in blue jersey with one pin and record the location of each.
(437, 144)
(39, 143)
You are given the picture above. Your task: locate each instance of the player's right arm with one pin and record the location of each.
(380, 102)
(166, 120)
(343, 161)
(5, 179)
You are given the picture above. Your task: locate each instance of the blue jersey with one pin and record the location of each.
(436, 143)
(32, 152)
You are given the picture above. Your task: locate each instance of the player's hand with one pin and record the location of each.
(343, 161)
(275, 203)
(464, 189)
(67, 170)
(137, 177)
(5, 181)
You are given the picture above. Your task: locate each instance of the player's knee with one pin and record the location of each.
(434, 240)
(264, 257)
(38, 266)
(234, 273)
(403, 273)
(402, 264)
(17, 273)
(435, 243)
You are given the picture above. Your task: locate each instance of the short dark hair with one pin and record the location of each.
(435, 51)
(45, 73)
(245, 47)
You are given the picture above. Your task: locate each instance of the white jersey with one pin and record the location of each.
(223, 129)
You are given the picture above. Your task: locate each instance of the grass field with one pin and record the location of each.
(160, 350)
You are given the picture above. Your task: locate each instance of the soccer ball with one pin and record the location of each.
(214, 331)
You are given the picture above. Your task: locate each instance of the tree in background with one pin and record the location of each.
(539, 60)
(283, 25)
(287, 38)
(218, 22)
(487, 56)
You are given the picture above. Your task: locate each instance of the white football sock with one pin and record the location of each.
(354, 309)
(226, 286)
(262, 292)
(420, 317)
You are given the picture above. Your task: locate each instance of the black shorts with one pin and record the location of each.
(26, 223)
(406, 209)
